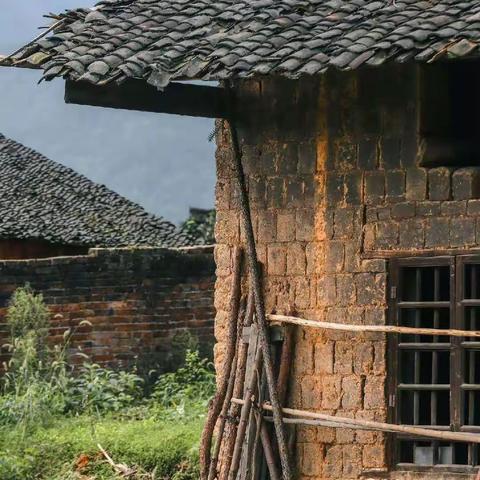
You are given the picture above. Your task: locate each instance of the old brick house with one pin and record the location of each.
(48, 210)
(358, 131)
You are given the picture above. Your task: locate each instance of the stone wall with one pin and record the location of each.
(332, 166)
(136, 301)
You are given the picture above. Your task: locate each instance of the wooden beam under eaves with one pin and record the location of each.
(177, 98)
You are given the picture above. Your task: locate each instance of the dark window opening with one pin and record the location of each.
(449, 123)
(436, 379)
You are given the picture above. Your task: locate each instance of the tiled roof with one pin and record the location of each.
(41, 199)
(160, 40)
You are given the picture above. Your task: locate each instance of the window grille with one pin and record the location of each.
(435, 380)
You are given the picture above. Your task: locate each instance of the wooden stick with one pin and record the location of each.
(39, 37)
(258, 295)
(343, 422)
(245, 415)
(269, 453)
(372, 328)
(212, 474)
(217, 401)
(231, 428)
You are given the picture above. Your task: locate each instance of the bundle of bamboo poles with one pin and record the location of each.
(231, 440)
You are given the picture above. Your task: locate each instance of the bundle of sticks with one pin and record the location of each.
(243, 439)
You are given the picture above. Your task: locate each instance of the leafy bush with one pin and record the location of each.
(95, 389)
(194, 381)
(33, 386)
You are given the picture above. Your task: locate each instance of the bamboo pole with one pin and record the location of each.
(353, 423)
(372, 328)
(244, 416)
(219, 398)
(258, 296)
(234, 412)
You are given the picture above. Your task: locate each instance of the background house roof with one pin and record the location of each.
(160, 40)
(41, 199)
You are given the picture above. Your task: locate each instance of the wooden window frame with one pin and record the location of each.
(457, 349)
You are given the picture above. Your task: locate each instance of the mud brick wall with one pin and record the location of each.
(336, 187)
(137, 301)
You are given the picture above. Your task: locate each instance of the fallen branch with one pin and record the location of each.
(373, 328)
(217, 402)
(120, 468)
(343, 422)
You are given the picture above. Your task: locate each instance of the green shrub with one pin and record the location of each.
(95, 389)
(195, 381)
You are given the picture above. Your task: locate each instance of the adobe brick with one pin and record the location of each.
(383, 213)
(307, 157)
(335, 186)
(374, 392)
(368, 154)
(374, 186)
(304, 225)
(333, 465)
(343, 222)
(439, 183)
(466, 183)
(462, 232)
(345, 290)
(395, 184)
(267, 227)
(311, 394)
(428, 209)
(331, 387)
(345, 155)
(311, 459)
(335, 256)
(370, 288)
(362, 358)
(324, 357)
(351, 392)
(257, 192)
(275, 192)
(277, 259)
(437, 232)
(326, 290)
(403, 210)
(352, 462)
(416, 184)
(386, 235)
(287, 158)
(293, 192)
(343, 357)
(473, 207)
(391, 152)
(354, 187)
(286, 226)
(296, 259)
(454, 208)
(412, 234)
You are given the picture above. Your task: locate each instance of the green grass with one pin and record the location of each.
(167, 447)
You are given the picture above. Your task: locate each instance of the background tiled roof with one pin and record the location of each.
(160, 40)
(41, 199)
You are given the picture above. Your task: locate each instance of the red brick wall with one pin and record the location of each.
(136, 301)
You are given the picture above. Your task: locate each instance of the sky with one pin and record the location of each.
(163, 162)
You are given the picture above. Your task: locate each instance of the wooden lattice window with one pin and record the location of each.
(435, 380)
